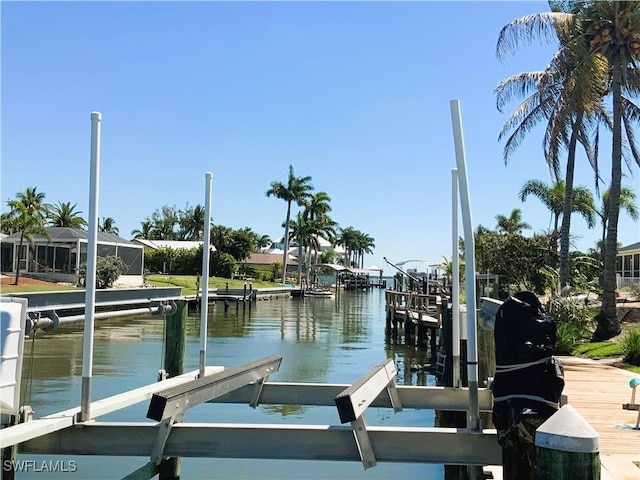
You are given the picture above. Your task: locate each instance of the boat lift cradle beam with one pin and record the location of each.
(51, 423)
(273, 393)
(451, 446)
(168, 406)
(354, 400)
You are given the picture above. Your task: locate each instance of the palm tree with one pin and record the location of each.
(512, 224)
(552, 196)
(306, 233)
(365, 243)
(144, 231)
(262, 241)
(28, 214)
(627, 203)
(65, 215)
(610, 30)
(568, 94)
(347, 238)
(192, 223)
(108, 226)
(298, 190)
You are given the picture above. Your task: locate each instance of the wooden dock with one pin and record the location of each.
(597, 391)
(414, 317)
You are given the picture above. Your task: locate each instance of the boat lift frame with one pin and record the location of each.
(62, 434)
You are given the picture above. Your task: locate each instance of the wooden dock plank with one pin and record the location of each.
(597, 391)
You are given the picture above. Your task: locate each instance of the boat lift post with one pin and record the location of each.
(473, 420)
(455, 280)
(90, 279)
(204, 297)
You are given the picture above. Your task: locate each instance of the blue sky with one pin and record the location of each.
(355, 95)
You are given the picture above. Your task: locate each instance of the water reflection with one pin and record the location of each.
(328, 340)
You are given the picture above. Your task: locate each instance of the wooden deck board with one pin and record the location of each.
(597, 392)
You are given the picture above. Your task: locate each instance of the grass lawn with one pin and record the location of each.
(608, 349)
(188, 282)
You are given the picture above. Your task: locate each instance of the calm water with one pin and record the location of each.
(321, 340)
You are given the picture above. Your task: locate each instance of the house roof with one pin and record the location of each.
(629, 248)
(266, 259)
(66, 234)
(173, 244)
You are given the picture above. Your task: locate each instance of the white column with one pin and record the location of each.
(90, 283)
(470, 268)
(204, 297)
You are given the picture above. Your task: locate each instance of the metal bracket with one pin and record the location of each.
(257, 390)
(164, 429)
(353, 401)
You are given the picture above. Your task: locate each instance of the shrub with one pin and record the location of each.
(223, 265)
(108, 269)
(631, 347)
(572, 318)
(635, 291)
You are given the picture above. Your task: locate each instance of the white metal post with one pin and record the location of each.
(90, 280)
(455, 280)
(470, 268)
(206, 249)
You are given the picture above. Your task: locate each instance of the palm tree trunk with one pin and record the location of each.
(19, 252)
(568, 204)
(286, 244)
(608, 324)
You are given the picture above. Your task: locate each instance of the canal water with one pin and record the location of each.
(328, 340)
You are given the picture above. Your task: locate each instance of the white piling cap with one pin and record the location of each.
(567, 431)
(96, 115)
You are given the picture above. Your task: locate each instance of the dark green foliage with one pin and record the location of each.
(174, 261)
(572, 319)
(516, 259)
(631, 347)
(108, 269)
(223, 265)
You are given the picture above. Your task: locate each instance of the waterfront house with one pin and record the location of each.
(59, 255)
(628, 265)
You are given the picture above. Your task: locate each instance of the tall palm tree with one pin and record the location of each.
(306, 233)
(611, 30)
(108, 226)
(317, 206)
(366, 244)
(512, 224)
(627, 203)
(66, 215)
(567, 94)
(298, 190)
(28, 214)
(552, 196)
(347, 238)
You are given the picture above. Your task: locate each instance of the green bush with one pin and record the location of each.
(631, 347)
(108, 269)
(223, 265)
(635, 291)
(568, 337)
(572, 319)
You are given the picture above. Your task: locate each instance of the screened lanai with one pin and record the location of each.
(60, 254)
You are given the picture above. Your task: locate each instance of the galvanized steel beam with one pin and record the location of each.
(291, 442)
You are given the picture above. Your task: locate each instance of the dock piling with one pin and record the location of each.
(175, 341)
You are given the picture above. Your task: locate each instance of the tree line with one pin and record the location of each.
(586, 88)
(28, 214)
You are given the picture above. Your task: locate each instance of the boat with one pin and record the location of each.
(316, 292)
